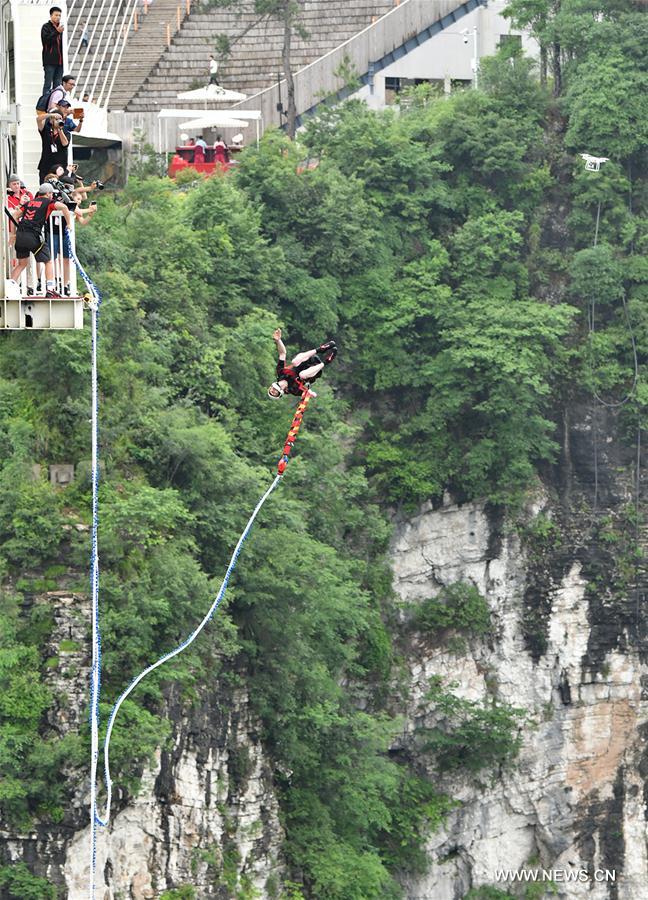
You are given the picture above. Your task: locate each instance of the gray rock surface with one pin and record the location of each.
(573, 800)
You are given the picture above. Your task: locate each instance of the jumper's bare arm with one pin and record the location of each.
(281, 348)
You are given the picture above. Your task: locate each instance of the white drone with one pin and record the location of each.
(593, 163)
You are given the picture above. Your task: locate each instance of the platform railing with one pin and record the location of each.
(32, 282)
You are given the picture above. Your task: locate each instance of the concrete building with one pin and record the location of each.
(448, 58)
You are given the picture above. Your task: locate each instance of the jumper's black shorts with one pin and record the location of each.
(27, 242)
(313, 361)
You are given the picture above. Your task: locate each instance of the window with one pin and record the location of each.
(511, 43)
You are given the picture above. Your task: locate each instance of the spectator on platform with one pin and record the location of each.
(86, 98)
(17, 195)
(85, 37)
(81, 217)
(213, 70)
(52, 43)
(221, 152)
(69, 124)
(29, 236)
(62, 91)
(79, 186)
(201, 147)
(54, 143)
(55, 174)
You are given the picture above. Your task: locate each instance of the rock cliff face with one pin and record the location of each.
(205, 816)
(567, 647)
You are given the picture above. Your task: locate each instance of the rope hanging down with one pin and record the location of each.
(290, 441)
(95, 673)
(183, 646)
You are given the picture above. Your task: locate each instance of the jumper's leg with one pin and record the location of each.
(302, 357)
(308, 374)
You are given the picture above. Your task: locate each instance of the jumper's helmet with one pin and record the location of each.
(275, 391)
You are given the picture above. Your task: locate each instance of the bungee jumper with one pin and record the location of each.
(305, 367)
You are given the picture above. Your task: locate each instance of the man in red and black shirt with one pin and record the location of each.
(29, 234)
(17, 195)
(304, 368)
(52, 41)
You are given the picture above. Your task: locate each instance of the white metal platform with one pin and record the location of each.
(41, 313)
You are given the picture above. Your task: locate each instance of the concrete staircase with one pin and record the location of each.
(143, 49)
(255, 59)
(406, 27)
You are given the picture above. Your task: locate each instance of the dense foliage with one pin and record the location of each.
(448, 249)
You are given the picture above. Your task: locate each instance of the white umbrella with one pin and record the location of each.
(214, 93)
(214, 120)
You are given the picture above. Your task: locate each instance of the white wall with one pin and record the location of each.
(446, 55)
(28, 18)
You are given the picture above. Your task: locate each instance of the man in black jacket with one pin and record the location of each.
(52, 41)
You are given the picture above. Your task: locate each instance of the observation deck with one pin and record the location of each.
(23, 301)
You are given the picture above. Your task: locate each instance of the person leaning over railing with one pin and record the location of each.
(32, 218)
(79, 186)
(81, 217)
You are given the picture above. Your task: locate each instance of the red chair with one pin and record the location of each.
(221, 154)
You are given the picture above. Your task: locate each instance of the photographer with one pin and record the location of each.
(72, 119)
(33, 216)
(84, 189)
(17, 196)
(83, 216)
(73, 200)
(55, 143)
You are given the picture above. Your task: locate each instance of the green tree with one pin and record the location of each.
(289, 14)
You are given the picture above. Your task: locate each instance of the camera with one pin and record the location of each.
(61, 194)
(100, 185)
